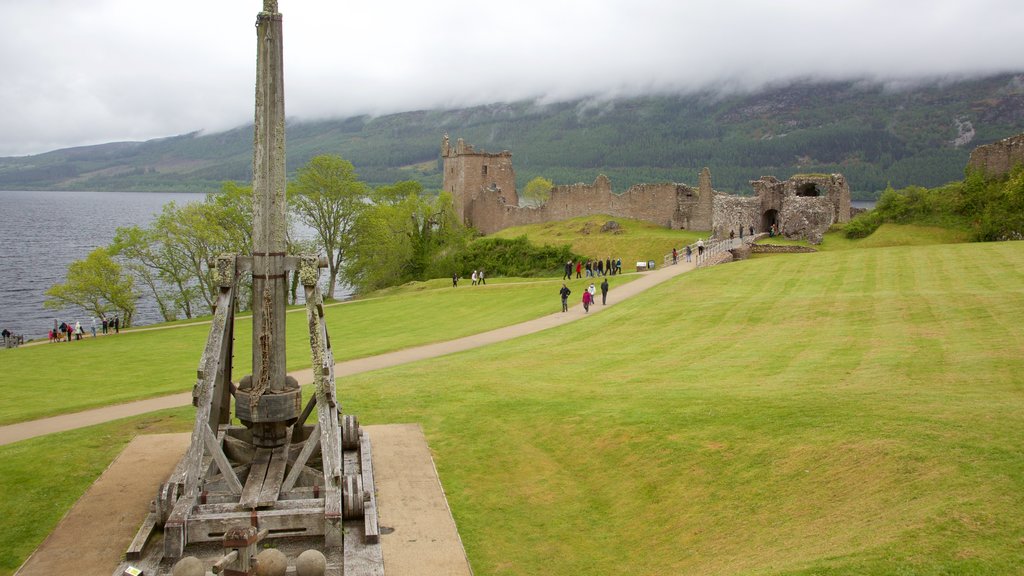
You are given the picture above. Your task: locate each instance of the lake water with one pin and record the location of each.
(43, 232)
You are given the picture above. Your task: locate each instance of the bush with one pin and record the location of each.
(513, 257)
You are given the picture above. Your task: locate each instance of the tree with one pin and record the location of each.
(98, 285)
(328, 196)
(171, 257)
(538, 190)
(403, 239)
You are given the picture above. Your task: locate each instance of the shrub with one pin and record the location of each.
(512, 257)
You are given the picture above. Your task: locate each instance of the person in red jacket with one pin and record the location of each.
(586, 301)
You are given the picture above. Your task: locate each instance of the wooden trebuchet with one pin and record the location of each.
(268, 474)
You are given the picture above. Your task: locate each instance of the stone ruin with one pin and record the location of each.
(483, 186)
(997, 159)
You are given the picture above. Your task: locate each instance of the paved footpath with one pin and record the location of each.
(24, 430)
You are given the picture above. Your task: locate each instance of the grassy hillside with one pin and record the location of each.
(634, 241)
(846, 412)
(854, 412)
(874, 135)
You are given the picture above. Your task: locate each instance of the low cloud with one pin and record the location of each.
(89, 72)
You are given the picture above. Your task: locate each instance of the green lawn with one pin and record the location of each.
(636, 242)
(848, 412)
(856, 412)
(67, 377)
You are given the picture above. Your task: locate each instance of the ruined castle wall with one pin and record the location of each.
(807, 217)
(666, 204)
(729, 213)
(468, 173)
(998, 158)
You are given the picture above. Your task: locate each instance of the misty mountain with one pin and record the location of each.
(874, 134)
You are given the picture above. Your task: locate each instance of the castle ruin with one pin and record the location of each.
(484, 191)
(999, 158)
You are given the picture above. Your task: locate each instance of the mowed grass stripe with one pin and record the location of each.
(793, 425)
(663, 438)
(59, 378)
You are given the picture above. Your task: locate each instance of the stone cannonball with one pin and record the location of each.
(271, 562)
(189, 566)
(311, 563)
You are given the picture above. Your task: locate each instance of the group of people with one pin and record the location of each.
(688, 252)
(477, 277)
(65, 331)
(593, 268)
(732, 233)
(11, 339)
(589, 296)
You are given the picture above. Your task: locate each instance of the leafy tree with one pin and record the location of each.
(328, 196)
(98, 285)
(171, 257)
(538, 190)
(403, 239)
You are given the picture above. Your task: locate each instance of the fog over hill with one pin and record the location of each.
(79, 73)
(875, 134)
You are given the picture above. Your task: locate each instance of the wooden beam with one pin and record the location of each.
(141, 537)
(312, 443)
(214, 448)
(257, 474)
(275, 475)
(372, 530)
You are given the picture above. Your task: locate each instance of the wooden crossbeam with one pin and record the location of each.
(308, 449)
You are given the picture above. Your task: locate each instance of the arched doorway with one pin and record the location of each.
(769, 219)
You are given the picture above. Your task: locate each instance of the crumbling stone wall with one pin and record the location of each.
(483, 187)
(807, 218)
(804, 206)
(734, 212)
(668, 204)
(998, 158)
(469, 173)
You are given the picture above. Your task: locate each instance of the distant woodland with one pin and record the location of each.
(877, 137)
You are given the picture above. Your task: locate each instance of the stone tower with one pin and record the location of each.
(468, 173)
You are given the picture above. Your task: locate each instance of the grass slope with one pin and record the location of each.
(849, 412)
(835, 413)
(59, 378)
(635, 241)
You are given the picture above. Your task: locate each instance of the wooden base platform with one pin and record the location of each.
(418, 534)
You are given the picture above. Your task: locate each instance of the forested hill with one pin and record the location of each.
(874, 135)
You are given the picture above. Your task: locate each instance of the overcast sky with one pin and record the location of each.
(85, 72)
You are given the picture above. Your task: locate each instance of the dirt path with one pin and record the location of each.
(24, 430)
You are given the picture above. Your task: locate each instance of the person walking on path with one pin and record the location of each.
(117, 324)
(480, 278)
(579, 268)
(675, 255)
(587, 299)
(455, 280)
(474, 278)
(568, 271)
(700, 248)
(93, 327)
(689, 252)
(593, 293)
(604, 292)
(105, 324)
(564, 293)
